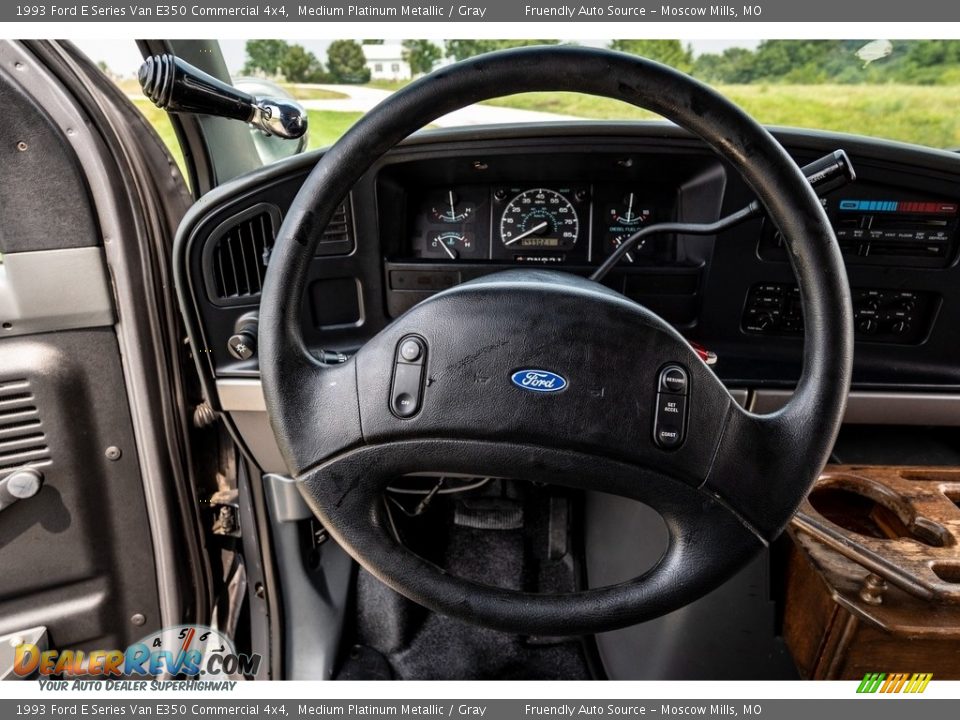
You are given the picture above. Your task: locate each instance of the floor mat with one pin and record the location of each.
(498, 537)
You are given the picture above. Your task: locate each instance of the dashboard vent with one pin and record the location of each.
(22, 439)
(238, 251)
(337, 237)
(239, 257)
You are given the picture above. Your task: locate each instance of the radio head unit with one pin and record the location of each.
(884, 230)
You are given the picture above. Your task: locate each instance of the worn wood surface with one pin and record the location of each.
(873, 582)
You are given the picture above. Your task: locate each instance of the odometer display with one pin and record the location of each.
(539, 218)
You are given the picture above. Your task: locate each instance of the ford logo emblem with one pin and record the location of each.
(538, 380)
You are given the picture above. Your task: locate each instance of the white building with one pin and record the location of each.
(386, 62)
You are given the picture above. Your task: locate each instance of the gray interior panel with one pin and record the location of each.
(315, 589)
(32, 156)
(728, 634)
(77, 556)
(53, 290)
(879, 408)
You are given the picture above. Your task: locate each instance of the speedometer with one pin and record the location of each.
(539, 219)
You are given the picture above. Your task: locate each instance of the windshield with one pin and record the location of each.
(906, 90)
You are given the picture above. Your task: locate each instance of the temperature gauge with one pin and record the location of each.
(450, 244)
(449, 208)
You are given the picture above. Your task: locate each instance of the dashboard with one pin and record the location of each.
(448, 206)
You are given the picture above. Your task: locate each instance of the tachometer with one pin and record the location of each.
(539, 219)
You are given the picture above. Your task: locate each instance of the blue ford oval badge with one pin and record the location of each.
(538, 380)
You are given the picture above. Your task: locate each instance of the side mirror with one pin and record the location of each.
(177, 86)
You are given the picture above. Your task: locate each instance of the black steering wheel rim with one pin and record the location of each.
(755, 469)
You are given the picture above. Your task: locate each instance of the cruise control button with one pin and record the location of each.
(405, 405)
(410, 350)
(673, 379)
(407, 386)
(669, 437)
(672, 408)
(669, 425)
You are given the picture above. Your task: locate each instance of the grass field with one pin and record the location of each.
(326, 126)
(387, 84)
(301, 92)
(926, 115)
(161, 123)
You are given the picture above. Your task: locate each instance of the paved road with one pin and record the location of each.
(362, 99)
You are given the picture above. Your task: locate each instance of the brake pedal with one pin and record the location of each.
(489, 514)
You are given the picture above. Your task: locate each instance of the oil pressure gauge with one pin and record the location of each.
(450, 208)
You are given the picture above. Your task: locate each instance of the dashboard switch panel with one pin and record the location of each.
(407, 387)
(670, 420)
(879, 315)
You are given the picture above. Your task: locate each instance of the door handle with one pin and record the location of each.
(19, 485)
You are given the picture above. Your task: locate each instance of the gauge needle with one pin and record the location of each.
(531, 231)
(453, 210)
(450, 251)
(630, 210)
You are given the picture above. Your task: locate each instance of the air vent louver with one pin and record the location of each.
(22, 439)
(337, 237)
(240, 257)
(237, 253)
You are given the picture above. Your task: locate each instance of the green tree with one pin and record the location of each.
(669, 52)
(346, 62)
(264, 56)
(371, 42)
(422, 55)
(733, 65)
(463, 49)
(300, 65)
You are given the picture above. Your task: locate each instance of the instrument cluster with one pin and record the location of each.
(532, 224)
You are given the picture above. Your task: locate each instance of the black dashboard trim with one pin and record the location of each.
(937, 167)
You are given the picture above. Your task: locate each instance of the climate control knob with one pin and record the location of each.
(243, 343)
(765, 321)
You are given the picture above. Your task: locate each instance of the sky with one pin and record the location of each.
(123, 58)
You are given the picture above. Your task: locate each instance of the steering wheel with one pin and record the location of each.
(549, 377)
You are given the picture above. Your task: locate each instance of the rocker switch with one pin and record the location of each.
(405, 393)
(670, 418)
